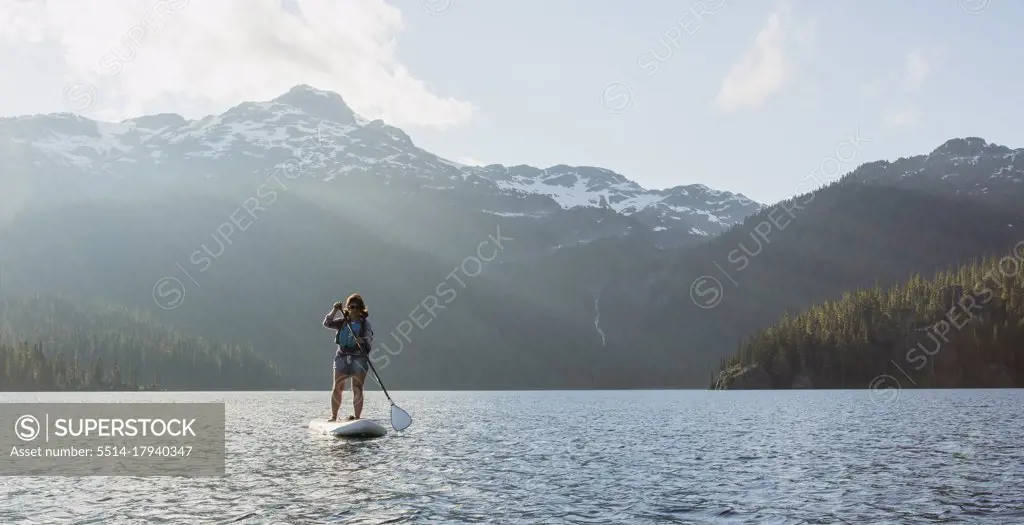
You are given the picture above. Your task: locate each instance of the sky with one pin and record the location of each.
(750, 97)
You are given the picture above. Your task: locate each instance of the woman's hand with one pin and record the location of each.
(339, 306)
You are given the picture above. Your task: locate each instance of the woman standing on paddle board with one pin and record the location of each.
(354, 339)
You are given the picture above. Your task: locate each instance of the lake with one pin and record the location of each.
(765, 457)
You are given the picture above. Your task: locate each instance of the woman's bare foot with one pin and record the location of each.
(352, 417)
(332, 420)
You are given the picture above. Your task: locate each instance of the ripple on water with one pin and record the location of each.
(583, 457)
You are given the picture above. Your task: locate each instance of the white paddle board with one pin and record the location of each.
(363, 428)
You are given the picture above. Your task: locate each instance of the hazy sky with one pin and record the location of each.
(747, 96)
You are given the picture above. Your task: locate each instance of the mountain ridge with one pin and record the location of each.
(968, 165)
(316, 131)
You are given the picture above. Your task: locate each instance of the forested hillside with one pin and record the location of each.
(25, 368)
(963, 328)
(92, 345)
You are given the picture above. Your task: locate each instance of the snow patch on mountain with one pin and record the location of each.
(516, 214)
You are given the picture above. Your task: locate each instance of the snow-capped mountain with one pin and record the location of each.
(694, 209)
(315, 132)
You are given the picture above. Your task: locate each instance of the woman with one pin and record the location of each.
(354, 338)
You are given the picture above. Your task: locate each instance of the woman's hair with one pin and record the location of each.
(356, 301)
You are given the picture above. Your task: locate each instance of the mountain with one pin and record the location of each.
(246, 226)
(963, 166)
(314, 135)
(846, 342)
(243, 227)
(500, 321)
(875, 226)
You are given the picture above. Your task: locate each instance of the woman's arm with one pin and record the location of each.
(331, 322)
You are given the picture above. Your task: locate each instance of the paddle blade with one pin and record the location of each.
(400, 419)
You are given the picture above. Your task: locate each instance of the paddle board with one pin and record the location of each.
(362, 428)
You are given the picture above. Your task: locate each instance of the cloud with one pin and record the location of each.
(763, 70)
(917, 69)
(195, 57)
(904, 118)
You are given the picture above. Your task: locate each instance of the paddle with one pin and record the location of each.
(400, 419)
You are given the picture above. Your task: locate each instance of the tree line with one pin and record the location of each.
(25, 367)
(59, 343)
(963, 328)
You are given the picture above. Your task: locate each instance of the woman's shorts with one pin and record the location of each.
(351, 365)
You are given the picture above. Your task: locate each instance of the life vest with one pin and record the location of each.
(344, 337)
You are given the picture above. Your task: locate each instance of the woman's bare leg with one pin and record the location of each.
(357, 393)
(339, 386)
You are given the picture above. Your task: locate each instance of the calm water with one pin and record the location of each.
(580, 457)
